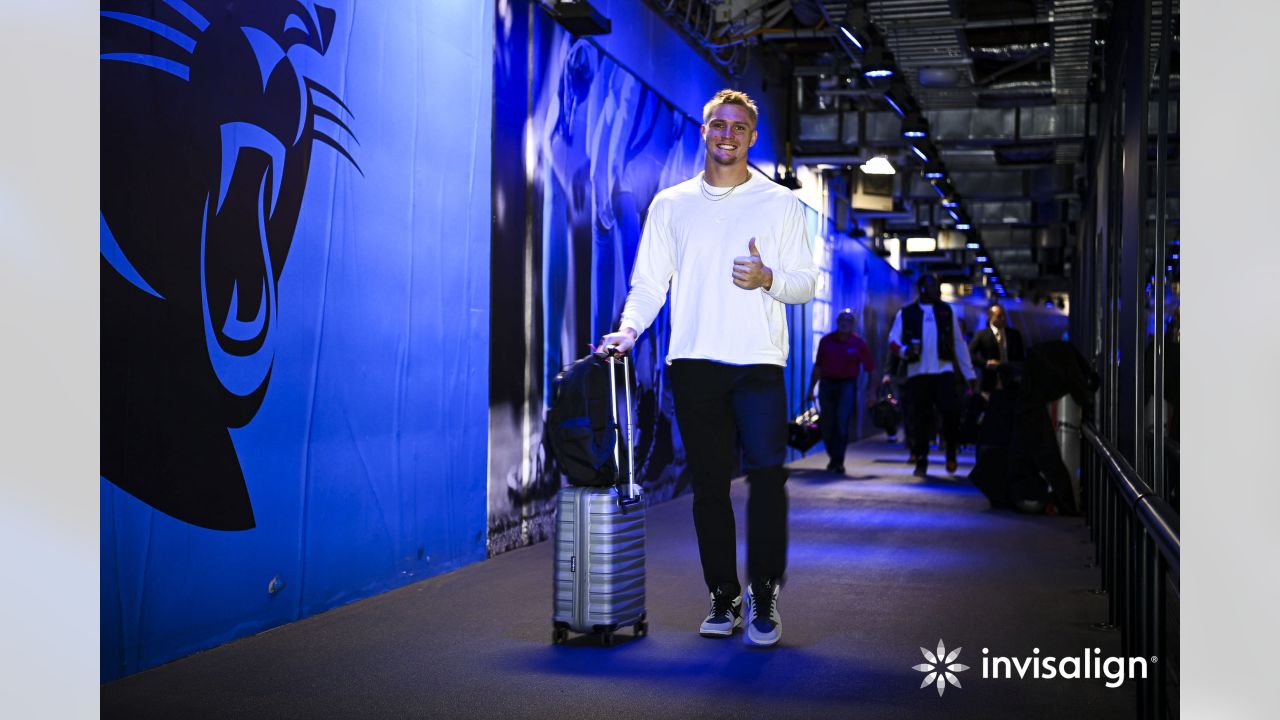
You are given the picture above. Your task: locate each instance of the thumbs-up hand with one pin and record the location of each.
(749, 272)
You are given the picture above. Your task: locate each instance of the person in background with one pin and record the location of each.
(1054, 369)
(842, 356)
(926, 334)
(995, 345)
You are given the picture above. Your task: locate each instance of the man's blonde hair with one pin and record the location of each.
(730, 97)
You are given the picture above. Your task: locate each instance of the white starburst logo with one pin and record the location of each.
(941, 668)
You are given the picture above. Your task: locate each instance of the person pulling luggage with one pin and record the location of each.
(732, 248)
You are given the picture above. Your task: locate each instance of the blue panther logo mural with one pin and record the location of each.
(208, 121)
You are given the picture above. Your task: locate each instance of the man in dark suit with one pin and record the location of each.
(995, 345)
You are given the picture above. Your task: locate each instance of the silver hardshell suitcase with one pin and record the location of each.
(599, 549)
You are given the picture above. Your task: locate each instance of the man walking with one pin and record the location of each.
(732, 248)
(842, 354)
(927, 335)
(996, 345)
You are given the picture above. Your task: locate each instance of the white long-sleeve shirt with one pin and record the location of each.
(689, 244)
(929, 363)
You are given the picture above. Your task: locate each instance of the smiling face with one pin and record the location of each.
(728, 133)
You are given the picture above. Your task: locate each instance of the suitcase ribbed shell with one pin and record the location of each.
(599, 561)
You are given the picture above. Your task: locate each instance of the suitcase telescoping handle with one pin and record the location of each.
(613, 358)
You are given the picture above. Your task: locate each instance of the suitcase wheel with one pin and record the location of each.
(559, 635)
(642, 628)
(607, 639)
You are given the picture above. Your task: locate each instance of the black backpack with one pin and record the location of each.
(886, 414)
(580, 430)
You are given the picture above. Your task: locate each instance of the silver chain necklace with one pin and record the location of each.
(717, 197)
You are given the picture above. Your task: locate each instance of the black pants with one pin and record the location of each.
(928, 392)
(1034, 457)
(717, 404)
(837, 400)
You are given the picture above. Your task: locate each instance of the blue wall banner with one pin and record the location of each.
(295, 295)
(581, 146)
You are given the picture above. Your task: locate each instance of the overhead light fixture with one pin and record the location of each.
(950, 201)
(580, 18)
(878, 165)
(987, 270)
(914, 126)
(876, 64)
(921, 244)
(919, 153)
(852, 38)
(967, 226)
(954, 215)
(934, 171)
(896, 107)
(981, 258)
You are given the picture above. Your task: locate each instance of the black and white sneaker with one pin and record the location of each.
(725, 615)
(764, 623)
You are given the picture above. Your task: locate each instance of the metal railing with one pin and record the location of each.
(1137, 549)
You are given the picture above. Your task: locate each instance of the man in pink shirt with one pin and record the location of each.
(842, 355)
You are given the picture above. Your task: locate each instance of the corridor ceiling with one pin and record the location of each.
(1008, 89)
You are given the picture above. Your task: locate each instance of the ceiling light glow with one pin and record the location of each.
(849, 35)
(921, 244)
(878, 165)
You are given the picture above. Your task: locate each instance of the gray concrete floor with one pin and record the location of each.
(881, 564)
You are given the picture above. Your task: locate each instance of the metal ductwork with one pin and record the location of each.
(1073, 36)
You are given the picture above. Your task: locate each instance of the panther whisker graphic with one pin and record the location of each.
(159, 29)
(317, 87)
(176, 69)
(317, 135)
(192, 15)
(315, 110)
(318, 111)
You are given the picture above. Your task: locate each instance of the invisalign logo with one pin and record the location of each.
(1092, 666)
(941, 668)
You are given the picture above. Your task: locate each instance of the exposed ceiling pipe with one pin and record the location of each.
(954, 24)
(1011, 51)
(773, 34)
(989, 81)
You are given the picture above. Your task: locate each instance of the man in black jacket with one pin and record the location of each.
(926, 335)
(996, 345)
